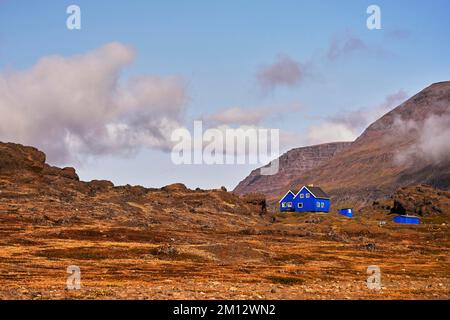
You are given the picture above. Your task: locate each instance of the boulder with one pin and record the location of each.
(175, 187)
(67, 172)
(70, 173)
(101, 184)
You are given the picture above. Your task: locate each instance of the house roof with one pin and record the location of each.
(318, 192)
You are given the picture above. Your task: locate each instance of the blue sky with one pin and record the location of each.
(217, 48)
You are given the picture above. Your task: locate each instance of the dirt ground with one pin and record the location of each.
(299, 256)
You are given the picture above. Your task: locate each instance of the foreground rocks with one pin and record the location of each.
(421, 200)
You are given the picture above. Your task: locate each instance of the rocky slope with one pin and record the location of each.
(407, 146)
(293, 163)
(54, 196)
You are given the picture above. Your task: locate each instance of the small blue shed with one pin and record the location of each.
(348, 212)
(287, 202)
(311, 199)
(405, 219)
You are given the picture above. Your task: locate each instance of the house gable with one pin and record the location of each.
(304, 190)
(287, 197)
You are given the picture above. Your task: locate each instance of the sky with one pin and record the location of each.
(107, 97)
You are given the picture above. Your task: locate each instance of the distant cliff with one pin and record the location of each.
(293, 164)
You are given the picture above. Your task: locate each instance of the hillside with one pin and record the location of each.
(55, 196)
(407, 146)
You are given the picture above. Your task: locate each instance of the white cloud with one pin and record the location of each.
(78, 106)
(431, 140)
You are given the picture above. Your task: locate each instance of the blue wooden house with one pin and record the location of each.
(287, 202)
(311, 199)
(308, 199)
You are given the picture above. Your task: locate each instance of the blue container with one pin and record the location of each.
(407, 219)
(347, 212)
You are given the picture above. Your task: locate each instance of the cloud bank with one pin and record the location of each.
(80, 106)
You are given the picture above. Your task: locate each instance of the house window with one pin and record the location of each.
(318, 204)
(322, 204)
(302, 195)
(283, 204)
(289, 204)
(307, 195)
(300, 205)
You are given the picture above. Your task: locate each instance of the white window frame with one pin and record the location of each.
(322, 204)
(302, 195)
(289, 204)
(300, 205)
(318, 204)
(307, 195)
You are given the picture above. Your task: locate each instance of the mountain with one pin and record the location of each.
(406, 146)
(293, 163)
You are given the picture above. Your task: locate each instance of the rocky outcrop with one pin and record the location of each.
(101, 184)
(421, 200)
(67, 172)
(17, 160)
(15, 157)
(56, 195)
(175, 187)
